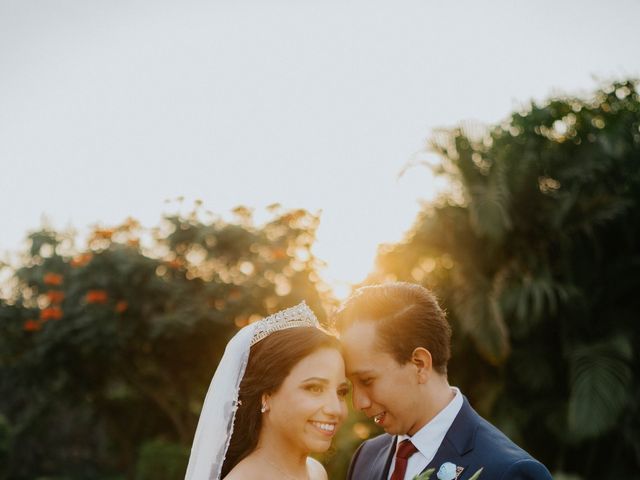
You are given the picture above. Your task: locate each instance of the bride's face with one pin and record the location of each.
(310, 405)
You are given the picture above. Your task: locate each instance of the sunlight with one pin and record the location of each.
(349, 235)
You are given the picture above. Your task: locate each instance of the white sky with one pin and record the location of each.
(110, 107)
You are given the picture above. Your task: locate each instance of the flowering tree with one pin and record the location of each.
(105, 348)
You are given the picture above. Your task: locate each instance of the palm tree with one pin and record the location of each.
(536, 255)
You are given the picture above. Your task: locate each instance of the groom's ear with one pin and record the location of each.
(421, 358)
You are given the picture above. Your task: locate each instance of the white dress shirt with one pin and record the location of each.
(428, 439)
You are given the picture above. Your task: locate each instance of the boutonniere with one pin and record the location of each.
(426, 475)
(476, 475)
(447, 471)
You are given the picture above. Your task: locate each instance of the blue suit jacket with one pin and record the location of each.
(471, 442)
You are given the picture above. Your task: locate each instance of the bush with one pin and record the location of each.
(161, 460)
(5, 446)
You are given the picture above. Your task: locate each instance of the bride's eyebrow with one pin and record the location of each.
(315, 379)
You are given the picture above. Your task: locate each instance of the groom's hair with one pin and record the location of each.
(407, 316)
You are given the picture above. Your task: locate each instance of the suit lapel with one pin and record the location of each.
(459, 440)
(446, 453)
(379, 467)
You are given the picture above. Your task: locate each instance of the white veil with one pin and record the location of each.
(215, 426)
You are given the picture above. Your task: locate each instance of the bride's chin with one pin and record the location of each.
(308, 447)
(319, 448)
(318, 445)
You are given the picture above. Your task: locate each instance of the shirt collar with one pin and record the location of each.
(428, 438)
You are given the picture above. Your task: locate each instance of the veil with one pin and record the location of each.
(215, 426)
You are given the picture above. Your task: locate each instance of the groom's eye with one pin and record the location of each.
(366, 381)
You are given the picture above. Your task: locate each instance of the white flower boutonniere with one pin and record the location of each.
(447, 471)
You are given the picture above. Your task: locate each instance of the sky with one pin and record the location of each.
(109, 108)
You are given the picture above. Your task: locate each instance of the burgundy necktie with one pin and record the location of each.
(405, 450)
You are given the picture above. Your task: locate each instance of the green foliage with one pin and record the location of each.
(5, 445)
(601, 373)
(536, 257)
(162, 461)
(106, 348)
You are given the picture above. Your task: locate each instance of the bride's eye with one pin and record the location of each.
(343, 392)
(314, 388)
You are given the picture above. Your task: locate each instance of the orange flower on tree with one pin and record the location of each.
(54, 279)
(102, 234)
(81, 260)
(55, 296)
(97, 296)
(129, 224)
(121, 306)
(174, 264)
(235, 294)
(31, 326)
(51, 313)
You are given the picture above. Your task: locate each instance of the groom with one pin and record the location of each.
(397, 344)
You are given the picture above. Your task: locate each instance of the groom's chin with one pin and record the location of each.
(392, 429)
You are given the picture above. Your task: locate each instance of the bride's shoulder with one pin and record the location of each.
(316, 469)
(246, 468)
(236, 474)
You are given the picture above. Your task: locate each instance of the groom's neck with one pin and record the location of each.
(437, 394)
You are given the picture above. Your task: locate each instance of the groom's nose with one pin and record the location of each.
(361, 400)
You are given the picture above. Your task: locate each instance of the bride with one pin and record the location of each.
(277, 396)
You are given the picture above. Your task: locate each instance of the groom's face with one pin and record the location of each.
(383, 389)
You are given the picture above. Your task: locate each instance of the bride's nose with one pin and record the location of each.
(333, 406)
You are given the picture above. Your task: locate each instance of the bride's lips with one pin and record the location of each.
(327, 429)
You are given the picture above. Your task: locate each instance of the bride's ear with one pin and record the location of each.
(421, 359)
(264, 403)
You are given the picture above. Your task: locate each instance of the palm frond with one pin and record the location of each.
(600, 383)
(480, 316)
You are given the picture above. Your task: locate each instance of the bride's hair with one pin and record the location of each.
(270, 361)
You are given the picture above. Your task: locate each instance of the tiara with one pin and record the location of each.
(298, 316)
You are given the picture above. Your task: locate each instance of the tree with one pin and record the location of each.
(535, 254)
(108, 349)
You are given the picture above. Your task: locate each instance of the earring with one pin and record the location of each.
(264, 408)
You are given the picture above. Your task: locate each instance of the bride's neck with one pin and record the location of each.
(276, 449)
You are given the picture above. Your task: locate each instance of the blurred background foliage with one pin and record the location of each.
(106, 351)
(536, 256)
